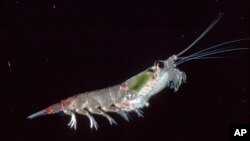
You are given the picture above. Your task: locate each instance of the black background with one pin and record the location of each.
(53, 49)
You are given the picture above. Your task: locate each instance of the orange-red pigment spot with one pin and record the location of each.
(49, 110)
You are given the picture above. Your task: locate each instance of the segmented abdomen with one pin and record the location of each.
(99, 98)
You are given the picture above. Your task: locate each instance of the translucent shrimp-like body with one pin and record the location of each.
(133, 94)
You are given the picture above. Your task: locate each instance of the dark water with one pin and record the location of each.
(53, 49)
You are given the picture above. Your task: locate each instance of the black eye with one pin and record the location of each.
(159, 64)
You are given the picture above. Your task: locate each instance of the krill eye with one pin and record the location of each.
(159, 64)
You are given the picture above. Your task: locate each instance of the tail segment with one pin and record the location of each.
(50, 110)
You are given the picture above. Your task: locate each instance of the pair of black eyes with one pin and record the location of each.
(160, 64)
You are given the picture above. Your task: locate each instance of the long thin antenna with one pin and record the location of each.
(203, 33)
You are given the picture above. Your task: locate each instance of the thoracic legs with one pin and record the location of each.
(93, 122)
(100, 112)
(116, 110)
(139, 112)
(72, 122)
